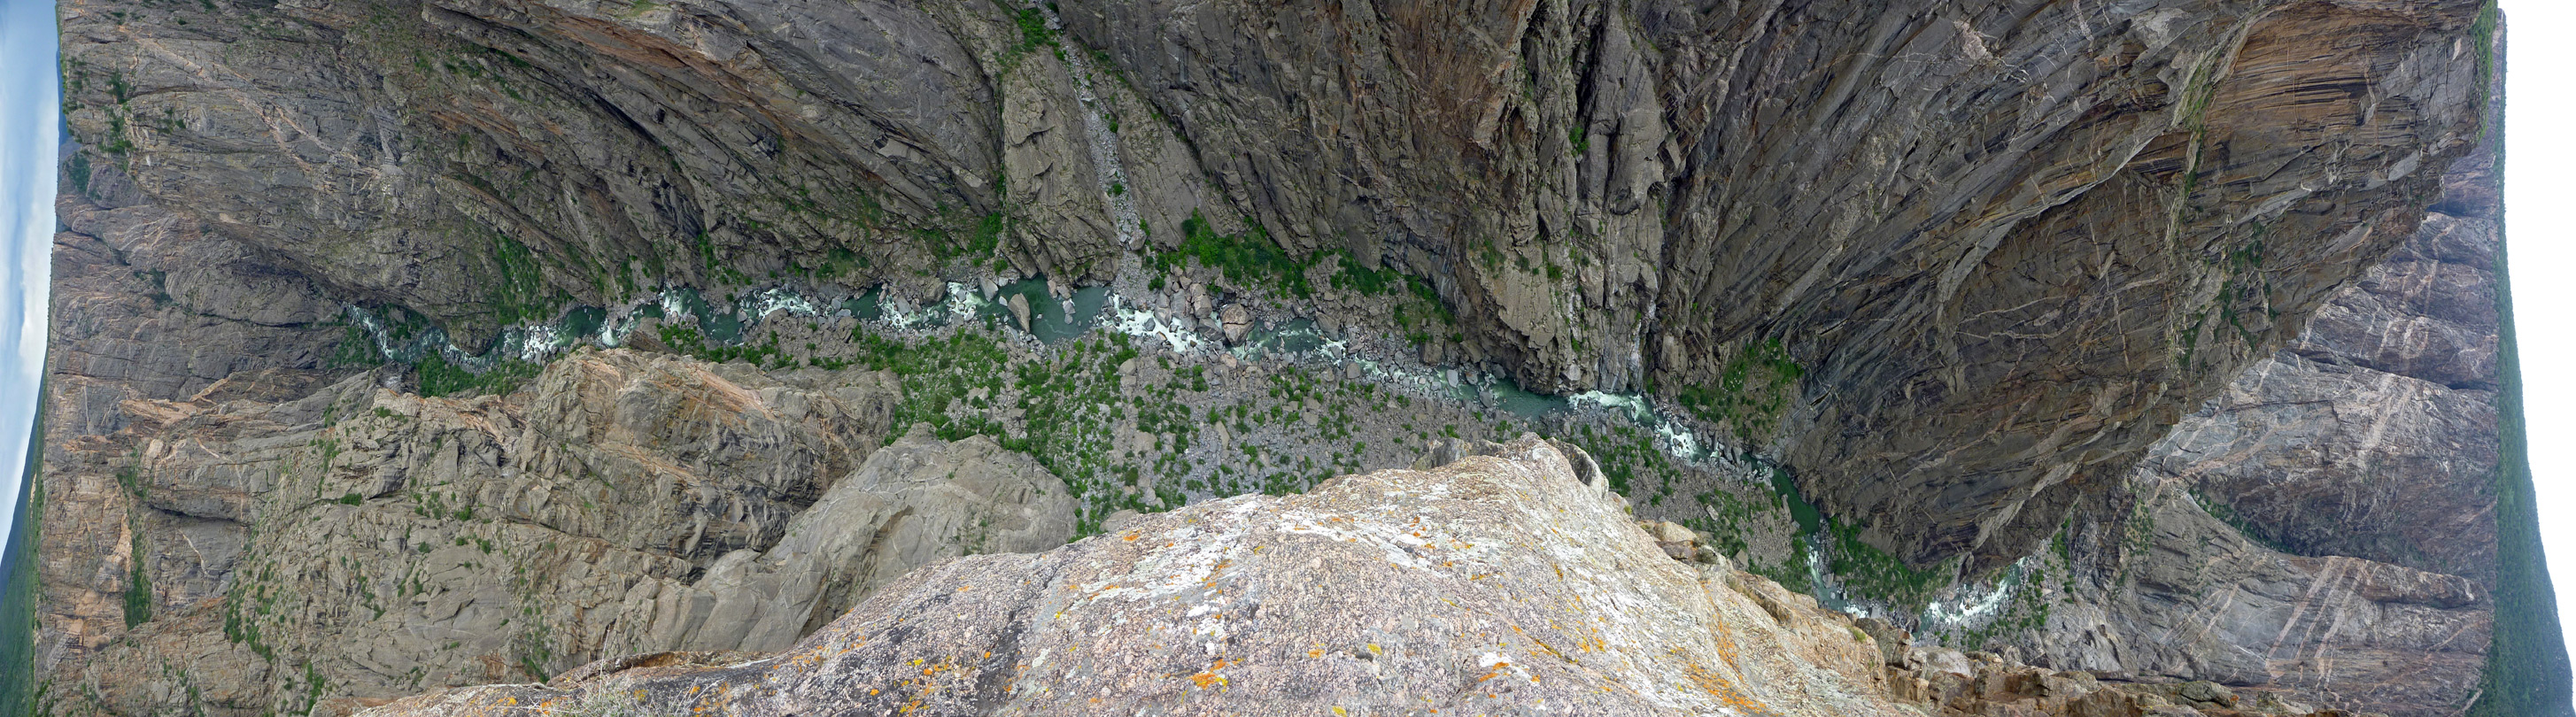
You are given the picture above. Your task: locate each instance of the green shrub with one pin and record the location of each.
(1033, 30)
(138, 586)
(1249, 258)
(437, 377)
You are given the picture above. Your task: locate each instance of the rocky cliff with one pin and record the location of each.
(1833, 237)
(1507, 581)
(2327, 526)
(410, 345)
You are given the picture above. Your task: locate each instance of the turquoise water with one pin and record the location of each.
(866, 307)
(1048, 319)
(716, 327)
(401, 337)
(1533, 406)
(582, 321)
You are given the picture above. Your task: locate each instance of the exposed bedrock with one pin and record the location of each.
(2186, 597)
(1491, 578)
(1943, 258)
(2325, 527)
(1500, 583)
(1965, 269)
(385, 543)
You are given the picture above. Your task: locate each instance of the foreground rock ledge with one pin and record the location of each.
(1497, 584)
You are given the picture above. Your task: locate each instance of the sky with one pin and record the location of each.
(30, 137)
(2538, 72)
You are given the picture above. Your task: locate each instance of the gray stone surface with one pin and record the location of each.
(1498, 583)
(2192, 599)
(1502, 580)
(2323, 531)
(1959, 265)
(914, 502)
(384, 543)
(2091, 215)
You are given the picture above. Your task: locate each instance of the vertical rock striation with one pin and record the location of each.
(1500, 583)
(2326, 526)
(1963, 266)
(1972, 252)
(1991, 248)
(277, 555)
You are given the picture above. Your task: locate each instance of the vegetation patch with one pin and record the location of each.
(1869, 573)
(437, 377)
(1247, 259)
(688, 340)
(976, 242)
(138, 583)
(2527, 670)
(1752, 391)
(519, 290)
(355, 350)
(20, 692)
(2027, 610)
(1034, 32)
(77, 170)
(1069, 398)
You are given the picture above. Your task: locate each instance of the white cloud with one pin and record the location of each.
(29, 141)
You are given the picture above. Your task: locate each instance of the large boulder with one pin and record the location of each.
(1498, 583)
(917, 501)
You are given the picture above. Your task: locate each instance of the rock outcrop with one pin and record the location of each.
(1972, 251)
(2191, 599)
(914, 502)
(388, 542)
(1505, 579)
(1963, 269)
(1501, 584)
(2325, 528)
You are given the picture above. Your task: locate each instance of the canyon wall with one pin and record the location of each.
(1970, 252)
(1979, 275)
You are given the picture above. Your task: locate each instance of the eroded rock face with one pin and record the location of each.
(119, 340)
(914, 502)
(387, 542)
(2326, 459)
(1498, 583)
(1958, 264)
(1968, 252)
(1950, 215)
(1492, 579)
(2195, 600)
(2325, 528)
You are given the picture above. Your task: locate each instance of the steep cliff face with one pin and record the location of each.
(1921, 207)
(1500, 582)
(386, 541)
(2326, 527)
(1906, 252)
(1953, 271)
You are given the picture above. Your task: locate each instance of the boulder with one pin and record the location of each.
(1237, 323)
(1497, 583)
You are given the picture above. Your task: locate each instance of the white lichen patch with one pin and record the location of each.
(1196, 552)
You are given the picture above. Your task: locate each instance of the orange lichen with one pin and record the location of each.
(1208, 679)
(1709, 681)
